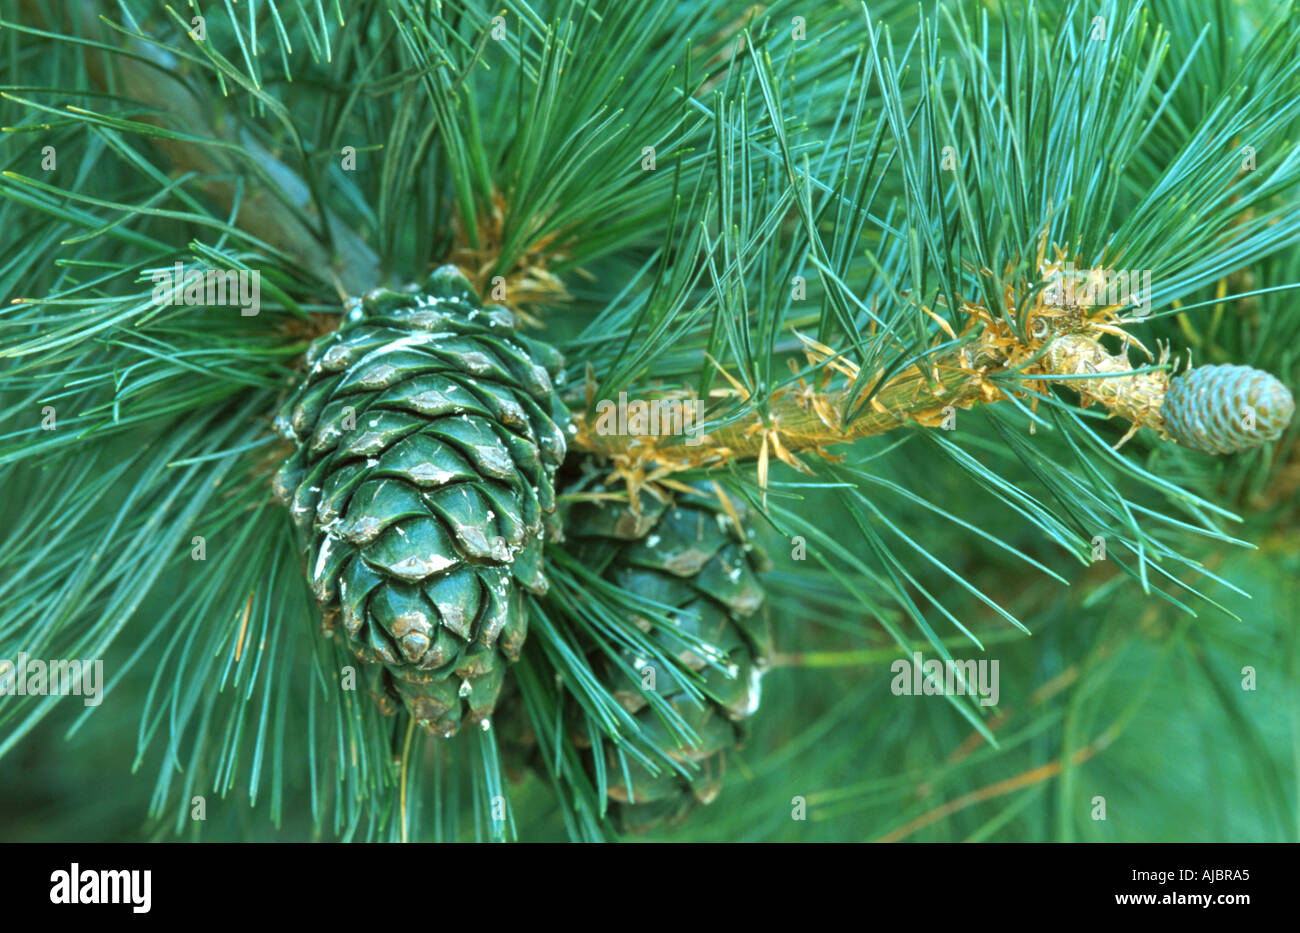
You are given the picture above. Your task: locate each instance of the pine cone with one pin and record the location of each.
(1205, 408)
(691, 556)
(427, 436)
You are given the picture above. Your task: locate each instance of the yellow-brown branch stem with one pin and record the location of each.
(804, 422)
(810, 418)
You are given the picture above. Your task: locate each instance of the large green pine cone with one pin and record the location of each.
(427, 436)
(691, 556)
(1204, 407)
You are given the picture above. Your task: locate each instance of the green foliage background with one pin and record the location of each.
(819, 160)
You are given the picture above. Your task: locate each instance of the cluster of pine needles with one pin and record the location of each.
(827, 221)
